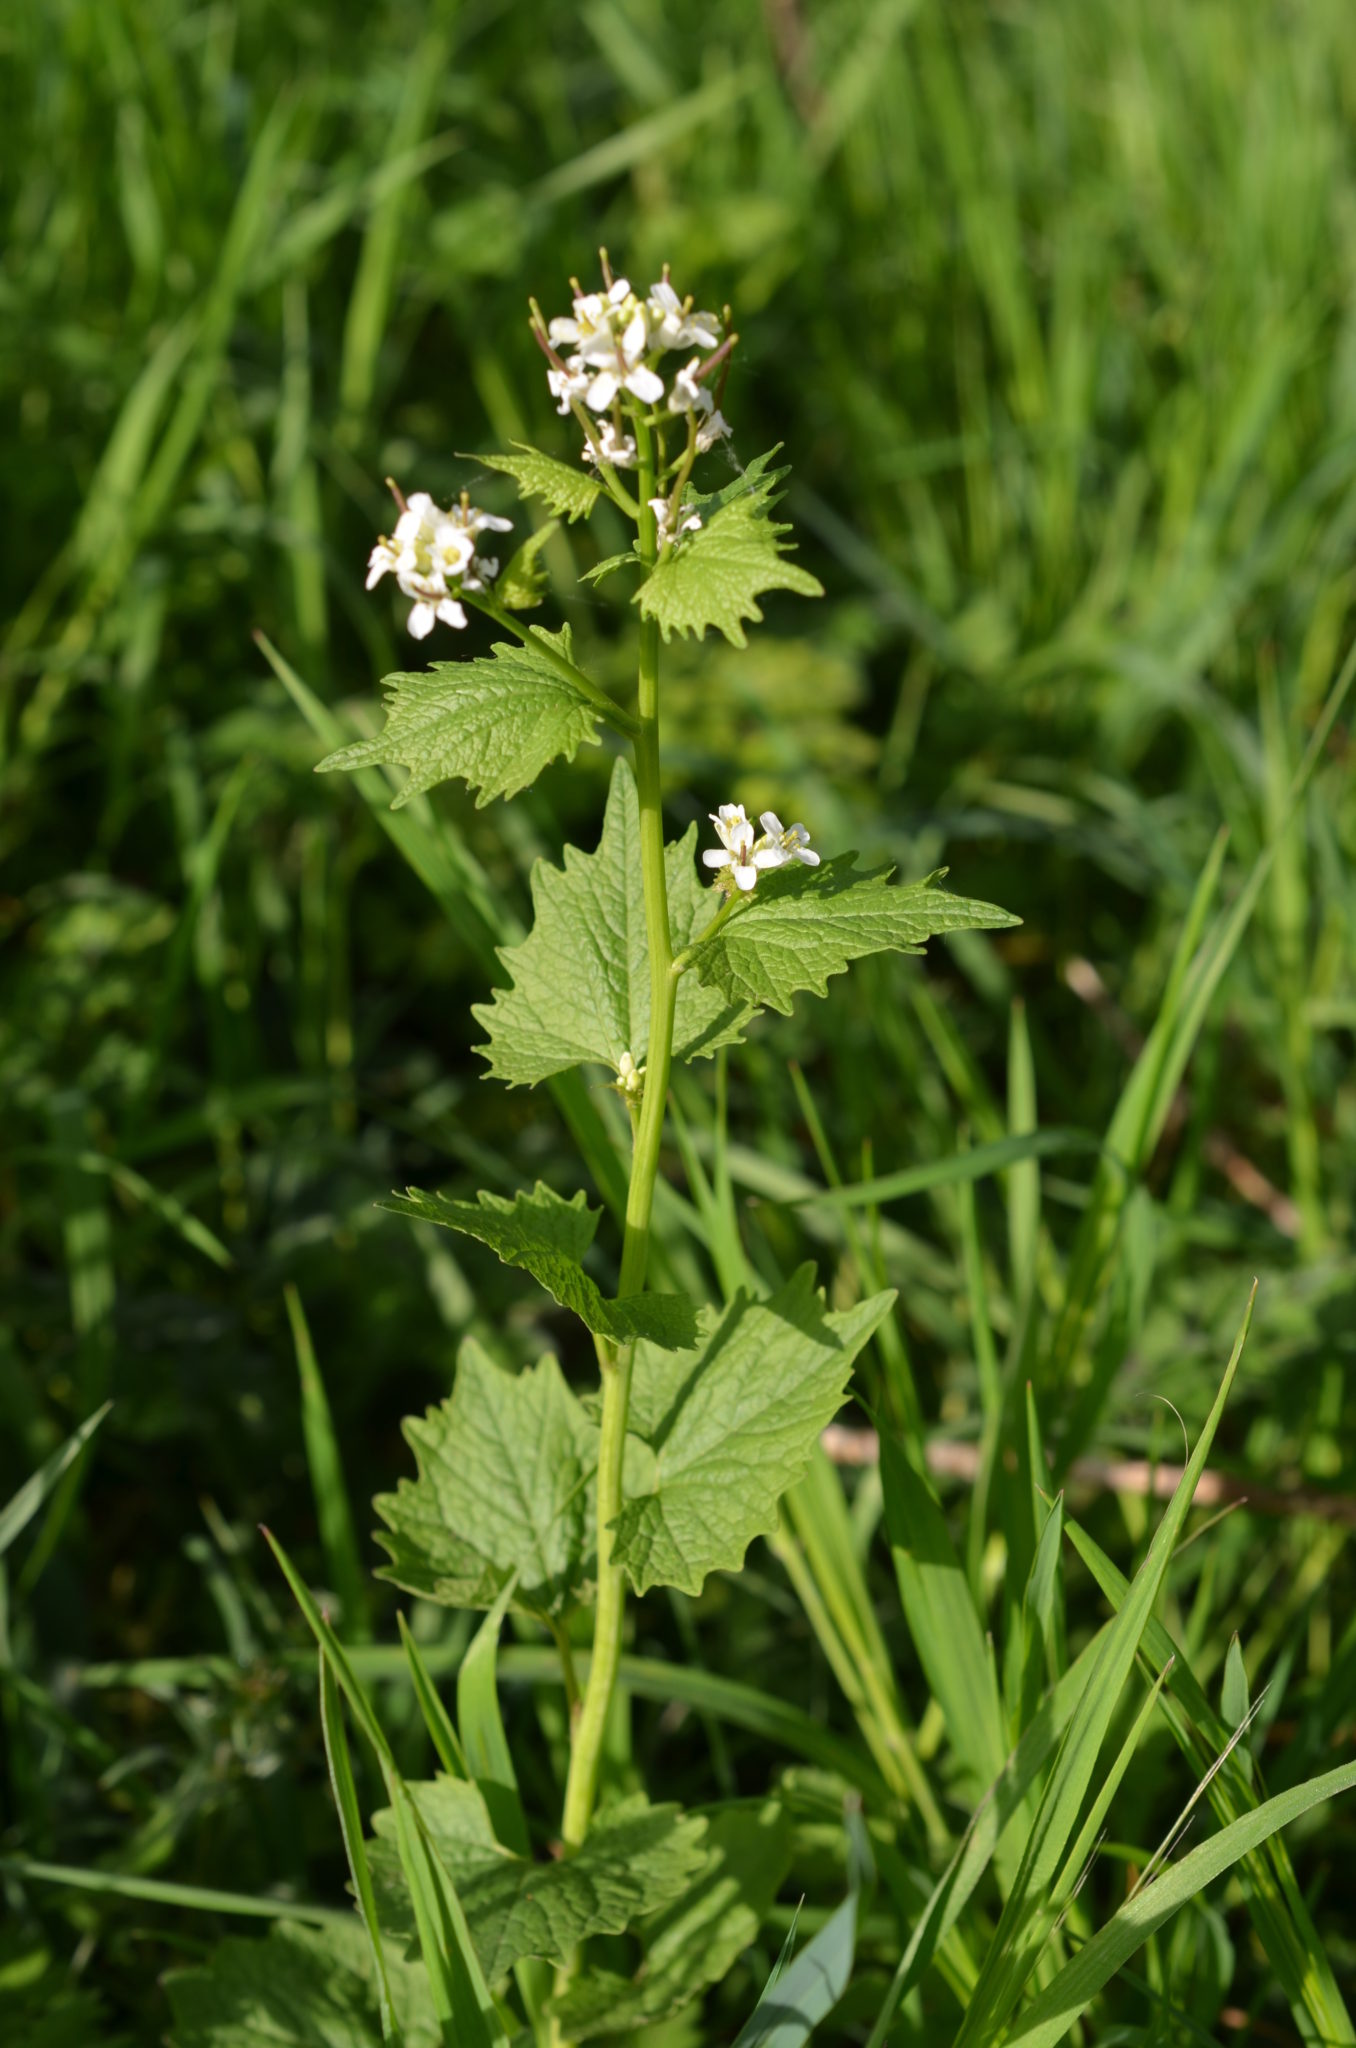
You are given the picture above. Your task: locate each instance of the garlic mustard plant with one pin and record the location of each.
(527, 1495)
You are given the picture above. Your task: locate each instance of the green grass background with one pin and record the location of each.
(1054, 308)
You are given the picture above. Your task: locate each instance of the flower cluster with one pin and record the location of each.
(433, 556)
(607, 349)
(743, 858)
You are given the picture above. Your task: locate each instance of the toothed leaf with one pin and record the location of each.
(504, 1487)
(495, 722)
(549, 1236)
(801, 924)
(715, 576)
(300, 1987)
(729, 1426)
(636, 1859)
(571, 492)
(581, 978)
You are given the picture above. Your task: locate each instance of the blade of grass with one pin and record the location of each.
(1015, 1947)
(975, 1164)
(940, 1611)
(155, 1891)
(1279, 1912)
(483, 1740)
(351, 1827)
(327, 1479)
(995, 1813)
(437, 1720)
(796, 1998)
(1055, 2009)
(21, 1507)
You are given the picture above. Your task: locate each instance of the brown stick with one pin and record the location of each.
(948, 1459)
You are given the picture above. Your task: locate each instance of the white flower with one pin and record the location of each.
(610, 446)
(688, 393)
(736, 850)
(432, 555)
(660, 508)
(569, 382)
(712, 429)
(673, 324)
(623, 375)
(791, 843)
(423, 615)
(610, 334)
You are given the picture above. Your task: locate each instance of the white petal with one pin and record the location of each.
(564, 330)
(598, 347)
(715, 857)
(601, 391)
(810, 859)
(451, 613)
(634, 339)
(493, 524)
(646, 386)
(421, 621)
(771, 857)
(664, 295)
(745, 877)
(619, 291)
(770, 822)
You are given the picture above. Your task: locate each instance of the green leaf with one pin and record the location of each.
(568, 490)
(581, 982)
(521, 583)
(800, 925)
(299, 1988)
(606, 567)
(696, 1940)
(505, 1470)
(635, 1860)
(549, 1236)
(715, 576)
(722, 1431)
(495, 722)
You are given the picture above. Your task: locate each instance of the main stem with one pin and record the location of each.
(586, 1755)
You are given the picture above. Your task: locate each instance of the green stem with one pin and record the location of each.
(607, 707)
(581, 1789)
(689, 953)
